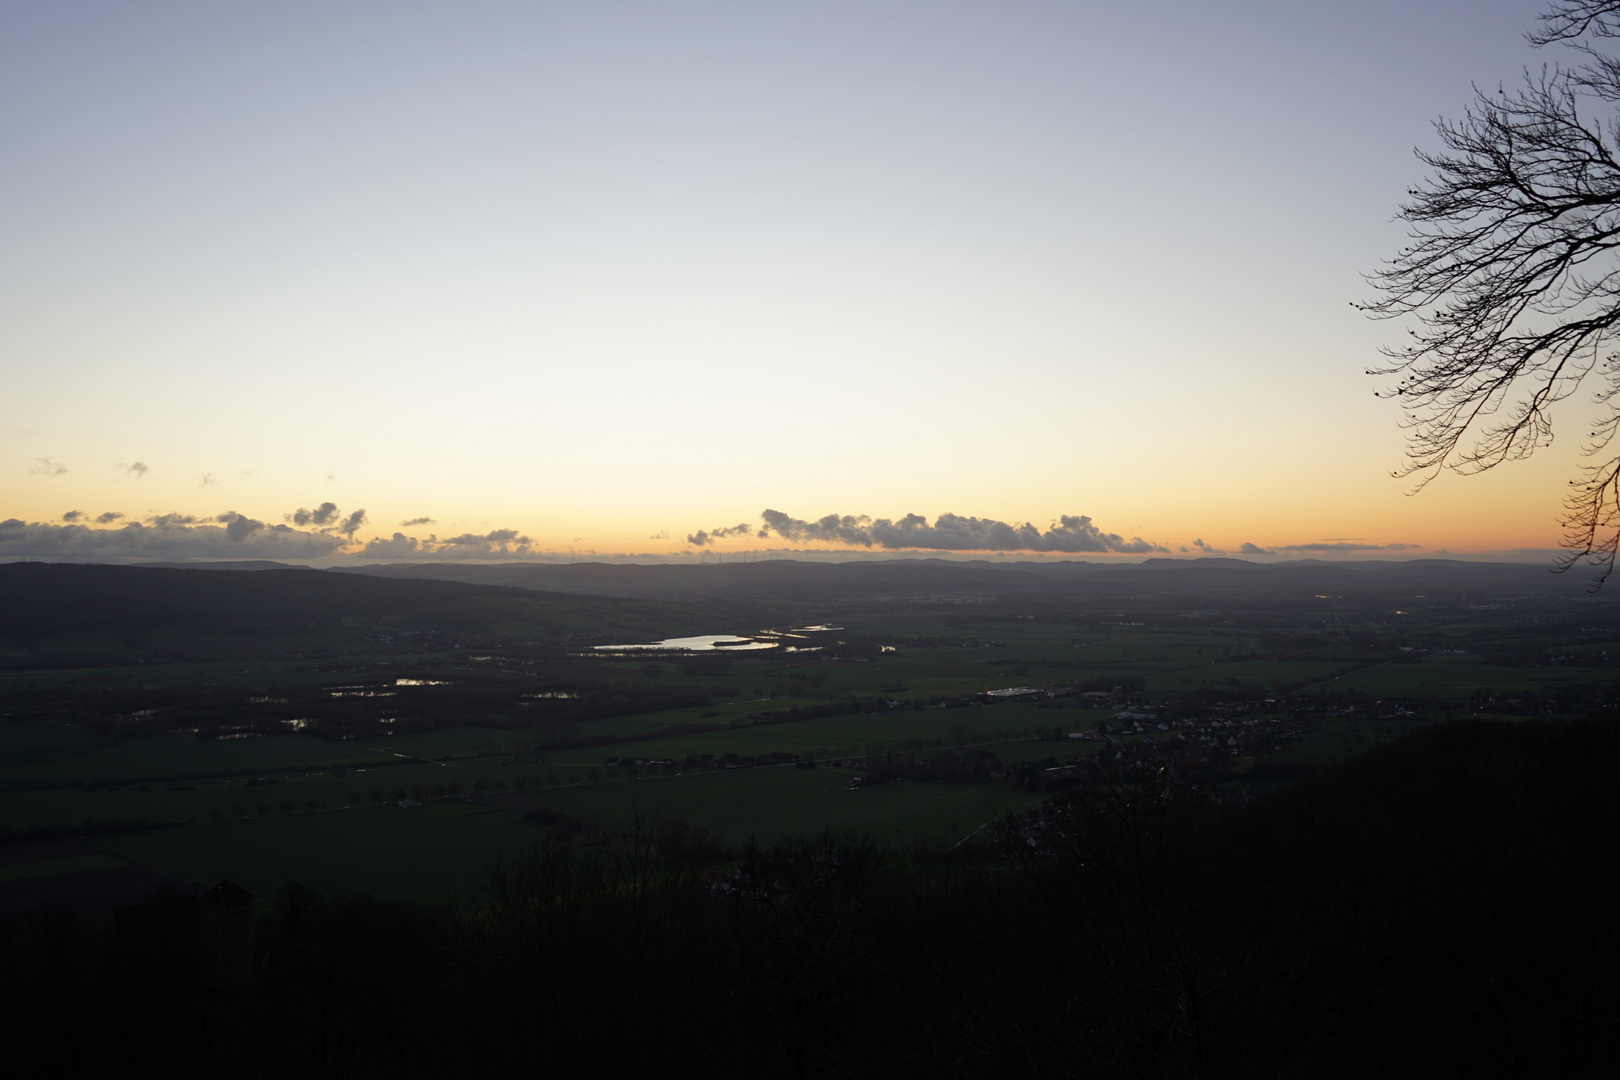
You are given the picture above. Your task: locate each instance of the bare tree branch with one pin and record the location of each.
(1512, 277)
(1571, 20)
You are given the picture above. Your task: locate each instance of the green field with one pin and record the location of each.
(842, 736)
(20, 871)
(87, 781)
(1452, 677)
(203, 800)
(774, 802)
(62, 754)
(265, 808)
(436, 852)
(1267, 674)
(1339, 740)
(443, 851)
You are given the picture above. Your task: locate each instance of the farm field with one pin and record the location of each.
(66, 754)
(842, 736)
(774, 802)
(436, 853)
(1456, 677)
(203, 800)
(293, 773)
(1339, 740)
(443, 851)
(248, 739)
(1269, 675)
(771, 803)
(107, 666)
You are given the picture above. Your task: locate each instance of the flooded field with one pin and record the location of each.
(700, 643)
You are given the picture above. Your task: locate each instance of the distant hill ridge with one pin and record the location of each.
(920, 579)
(786, 579)
(38, 599)
(39, 595)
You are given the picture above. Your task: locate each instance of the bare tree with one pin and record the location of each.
(1513, 277)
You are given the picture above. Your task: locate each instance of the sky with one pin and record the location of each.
(620, 277)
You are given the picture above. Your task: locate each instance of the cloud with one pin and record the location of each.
(323, 514)
(1207, 550)
(328, 518)
(238, 527)
(399, 547)
(495, 544)
(207, 480)
(703, 539)
(1321, 547)
(661, 534)
(495, 538)
(952, 532)
(417, 521)
(47, 468)
(108, 518)
(137, 470)
(173, 536)
(72, 515)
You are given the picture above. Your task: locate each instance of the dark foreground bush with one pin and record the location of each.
(1445, 906)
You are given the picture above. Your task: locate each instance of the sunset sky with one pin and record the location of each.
(604, 275)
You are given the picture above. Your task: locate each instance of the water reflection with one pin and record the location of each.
(701, 643)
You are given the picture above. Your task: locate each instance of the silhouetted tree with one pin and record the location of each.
(1513, 273)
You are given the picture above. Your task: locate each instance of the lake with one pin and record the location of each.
(701, 643)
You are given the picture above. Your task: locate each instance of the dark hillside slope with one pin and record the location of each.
(38, 600)
(775, 580)
(1444, 907)
(1443, 904)
(1069, 580)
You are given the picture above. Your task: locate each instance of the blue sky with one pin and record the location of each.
(600, 273)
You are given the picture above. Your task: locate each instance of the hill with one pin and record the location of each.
(143, 607)
(940, 578)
